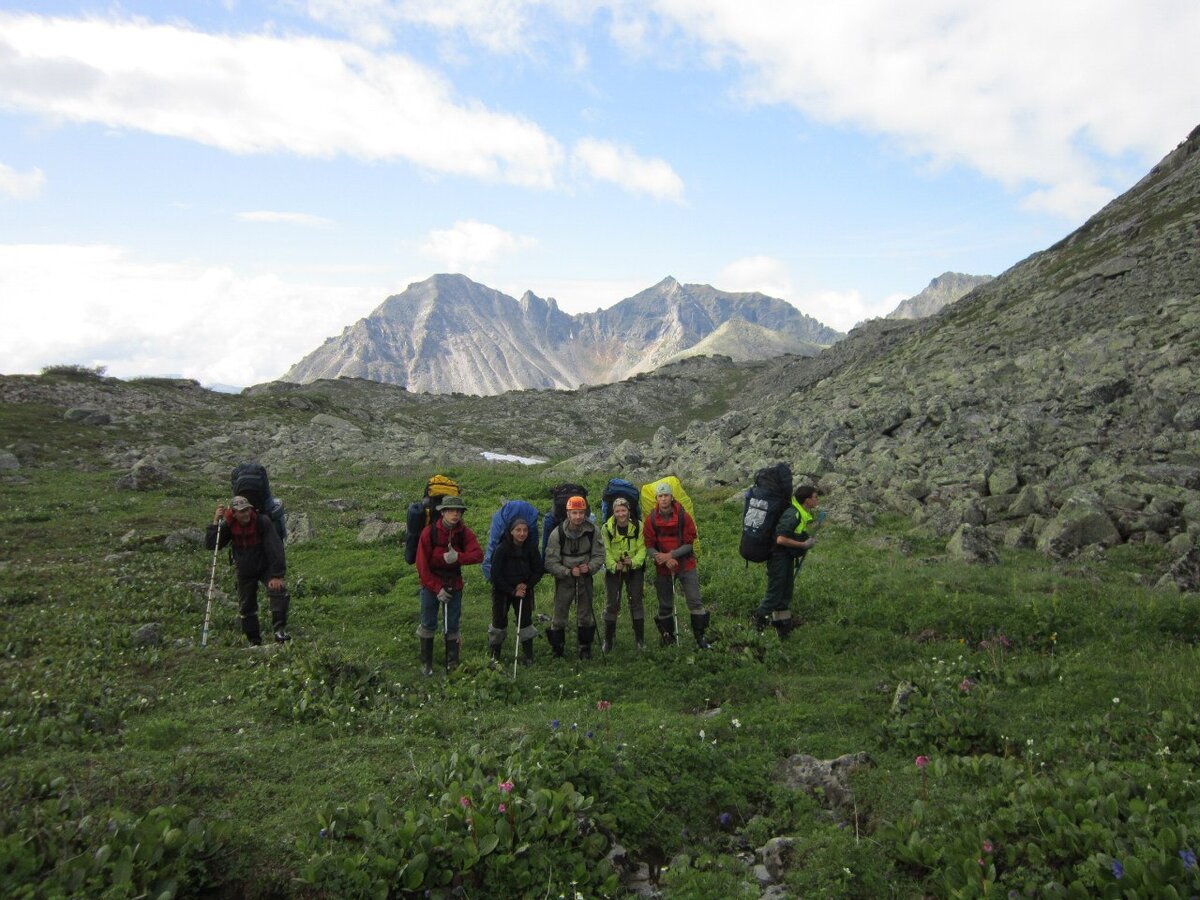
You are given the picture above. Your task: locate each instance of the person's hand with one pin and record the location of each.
(584, 568)
(450, 556)
(672, 563)
(443, 596)
(520, 591)
(219, 515)
(662, 559)
(275, 584)
(574, 571)
(807, 545)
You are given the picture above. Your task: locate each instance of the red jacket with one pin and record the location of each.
(435, 572)
(663, 535)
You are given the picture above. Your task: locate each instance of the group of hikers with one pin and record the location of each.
(575, 548)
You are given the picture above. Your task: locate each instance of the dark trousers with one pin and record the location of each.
(247, 586)
(781, 584)
(501, 604)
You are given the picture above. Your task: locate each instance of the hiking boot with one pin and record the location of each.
(494, 651)
(699, 626)
(558, 639)
(281, 636)
(610, 633)
(783, 627)
(451, 652)
(666, 628)
(759, 621)
(585, 634)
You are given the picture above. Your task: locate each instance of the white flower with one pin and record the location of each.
(736, 724)
(701, 734)
(1116, 700)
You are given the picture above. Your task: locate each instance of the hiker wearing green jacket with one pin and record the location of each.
(793, 540)
(625, 562)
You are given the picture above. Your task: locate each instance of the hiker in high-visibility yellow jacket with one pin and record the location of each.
(793, 540)
(625, 567)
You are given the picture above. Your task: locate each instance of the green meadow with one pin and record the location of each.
(1047, 742)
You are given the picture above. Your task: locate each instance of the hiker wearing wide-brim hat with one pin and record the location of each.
(258, 557)
(445, 546)
(574, 554)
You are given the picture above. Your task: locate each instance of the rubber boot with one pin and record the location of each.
(527, 652)
(585, 634)
(451, 653)
(279, 615)
(250, 628)
(639, 633)
(427, 656)
(494, 651)
(610, 633)
(666, 628)
(558, 639)
(760, 621)
(783, 627)
(699, 626)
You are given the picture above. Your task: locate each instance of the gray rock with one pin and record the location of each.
(148, 635)
(1184, 573)
(184, 537)
(971, 544)
(8, 462)
(375, 530)
(145, 475)
(1081, 522)
(88, 416)
(776, 855)
(341, 504)
(299, 529)
(826, 779)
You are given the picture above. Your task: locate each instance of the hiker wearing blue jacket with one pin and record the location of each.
(624, 568)
(516, 569)
(793, 540)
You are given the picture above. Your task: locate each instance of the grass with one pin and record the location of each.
(215, 771)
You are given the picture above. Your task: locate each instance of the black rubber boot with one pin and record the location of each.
(783, 627)
(610, 632)
(666, 628)
(699, 626)
(251, 629)
(639, 633)
(558, 639)
(494, 651)
(585, 634)
(427, 656)
(527, 652)
(760, 621)
(451, 653)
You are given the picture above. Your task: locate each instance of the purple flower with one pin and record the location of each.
(725, 818)
(554, 723)
(602, 705)
(965, 685)
(589, 734)
(987, 846)
(506, 787)
(1117, 869)
(324, 833)
(1188, 855)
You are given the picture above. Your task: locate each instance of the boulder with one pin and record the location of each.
(970, 544)
(145, 475)
(826, 779)
(8, 462)
(1184, 573)
(1081, 522)
(148, 635)
(184, 537)
(375, 530)
(299, 529)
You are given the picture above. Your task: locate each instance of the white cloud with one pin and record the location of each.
(263, 94)
(765, 274)
(286, 218)
(1044, 97)
(95, 305)
(471, 244)
(21, 185)
(580, 295)
(616, 163)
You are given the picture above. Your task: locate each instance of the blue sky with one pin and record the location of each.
(212, 188)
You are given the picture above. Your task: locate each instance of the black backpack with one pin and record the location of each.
(765, 503)
(250, 480)
(559, 495)
(420, 512)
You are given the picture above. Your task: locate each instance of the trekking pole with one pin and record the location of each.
(517, 642)
(446, 632)
(212, 578)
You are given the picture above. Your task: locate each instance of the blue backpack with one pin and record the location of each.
(502, 519)
(619, 487)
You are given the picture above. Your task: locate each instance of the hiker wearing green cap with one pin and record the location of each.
(574, 554)
(446, 545)
(793, 540)
(670, 533)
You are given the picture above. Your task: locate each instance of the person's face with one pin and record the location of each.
(664, 502)
(576, 516)
(451, 517)
(520, 532)
(243, 515)
(811, 502)
(621, 514)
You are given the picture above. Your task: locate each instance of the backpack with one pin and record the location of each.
(559, 495)
(250, 480)
(501, 520)
(765, 503)
(420, 512)
(619, 487)
(650, 501)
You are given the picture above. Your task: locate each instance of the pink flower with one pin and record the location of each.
(981, 862)
(506, 787)
(987, 846)
(965, 685)
(922, 761)
(503, 808)
(602, 705)
(464, 802)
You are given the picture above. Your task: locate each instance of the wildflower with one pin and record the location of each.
(602, 705)
(981, 862)
(725, 818)
(1117, 869)
(1116, 700)
(987, 846)
(502, 808)
(589, 734)
(554, 724)
(965, 685)
(324, 833)
(506, 787)
(735, 723)
(574, 725)
(921, 761)
(1188, 855)
(701, 734)
(464, 802)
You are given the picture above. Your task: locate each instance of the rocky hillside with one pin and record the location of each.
(938, 294)
(1055, 406)
(449, 334)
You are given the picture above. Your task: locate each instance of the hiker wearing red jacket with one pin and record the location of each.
(670, 533)
(446, 545)
(257, 557)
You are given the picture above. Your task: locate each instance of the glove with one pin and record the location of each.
(443, 596)
(450, 556)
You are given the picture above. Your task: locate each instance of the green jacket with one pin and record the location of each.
(616, 545)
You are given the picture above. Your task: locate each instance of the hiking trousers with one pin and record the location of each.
(433, 618)
(634, 583)
(501, 604)
(664, 587)
(279, 601)
(574, 590)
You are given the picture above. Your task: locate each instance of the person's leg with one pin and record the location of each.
(427, 628)
(664, 588)
(690, 582)
(779, 567)
(556, 634)
(612, 608)
(585, 615)
(280, 601)
(248, 608)
(636, 586)
(498, 630)
(453, 638)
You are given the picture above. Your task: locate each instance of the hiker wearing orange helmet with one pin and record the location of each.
(574, 553)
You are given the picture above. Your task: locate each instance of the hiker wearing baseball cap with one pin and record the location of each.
(624, 568)
(446, 545)
(670, 533)
(258, 556)
(574, 553)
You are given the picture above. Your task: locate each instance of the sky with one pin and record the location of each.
(210, 189)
